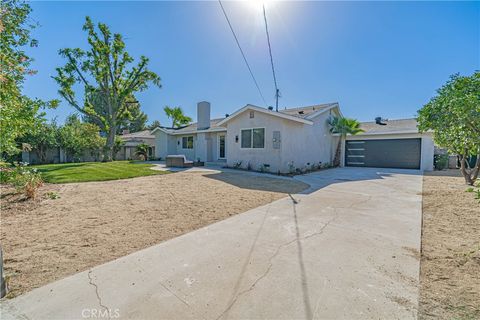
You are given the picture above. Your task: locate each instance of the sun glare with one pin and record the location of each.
(257, 5)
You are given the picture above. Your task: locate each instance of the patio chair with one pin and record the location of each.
(179, 161)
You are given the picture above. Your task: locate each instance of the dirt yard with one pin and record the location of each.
(450, 264)
(95, 222)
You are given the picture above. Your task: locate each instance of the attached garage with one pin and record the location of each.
(392, 144)
(384, 153)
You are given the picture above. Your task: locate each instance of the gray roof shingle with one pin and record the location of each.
(139, 134)
(392, 126)
(193, 126)
(303, 112)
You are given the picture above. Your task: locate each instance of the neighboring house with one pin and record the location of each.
(390, 144)
(132, 140)
(255, 138)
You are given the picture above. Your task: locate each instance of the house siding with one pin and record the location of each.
(301, 143)
(253, 156)
(161, 144)
(308, 145)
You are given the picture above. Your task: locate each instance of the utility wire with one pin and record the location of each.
(277, 92)
(241, 51)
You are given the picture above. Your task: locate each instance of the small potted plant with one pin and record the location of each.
(198, 163)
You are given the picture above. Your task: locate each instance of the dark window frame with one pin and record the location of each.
(187, 142)
(254, 132)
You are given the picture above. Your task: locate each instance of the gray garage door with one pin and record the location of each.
(391, 153)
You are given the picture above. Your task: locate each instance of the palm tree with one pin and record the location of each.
(141, 150)
(343, 126)
(177, 116)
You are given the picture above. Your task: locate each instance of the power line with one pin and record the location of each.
(277, 92)
(241, 51)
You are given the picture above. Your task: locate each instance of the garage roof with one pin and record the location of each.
(390, 127)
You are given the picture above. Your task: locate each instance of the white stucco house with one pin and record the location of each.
(255, 137)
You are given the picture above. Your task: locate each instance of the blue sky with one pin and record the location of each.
(374, 58)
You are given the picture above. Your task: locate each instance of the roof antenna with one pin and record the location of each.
(277, 95)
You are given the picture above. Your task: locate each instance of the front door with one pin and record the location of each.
(221, 147)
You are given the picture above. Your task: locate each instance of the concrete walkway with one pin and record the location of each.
(345, 249)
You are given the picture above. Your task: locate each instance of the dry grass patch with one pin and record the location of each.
(450, 264)
(95, 222)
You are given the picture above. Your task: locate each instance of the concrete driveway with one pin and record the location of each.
(346, 248)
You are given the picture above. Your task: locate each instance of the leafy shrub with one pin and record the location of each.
(141, 151)
(52, 195)
(25, 180)
(475, 190)
(264, 168)
(440, 161)
(237, 164)
(291, 167)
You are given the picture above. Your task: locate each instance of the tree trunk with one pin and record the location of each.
(338, 154)
(41, 154)
(108, 150)
(470, 175)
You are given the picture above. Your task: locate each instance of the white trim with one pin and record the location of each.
(224, 146)
(174, 132)
(265, 111)
(319, 112)
(251, 137)
(393, 135)
(160, 129)
(385, 132)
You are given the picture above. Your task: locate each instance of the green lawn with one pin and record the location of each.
(94, 171)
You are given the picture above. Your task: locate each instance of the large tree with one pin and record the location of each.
(454, 117)
(342, 126)
(43, 137)
(153, 125)
(107, 77)
(177, 116)
(78, 137)
(133, 119)
(18, 113)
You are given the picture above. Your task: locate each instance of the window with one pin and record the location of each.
(247, 138)
(187, 142)
(253, 138)
(252, 114)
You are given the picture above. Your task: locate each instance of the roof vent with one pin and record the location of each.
(270, 108)
(300, 112)
(227, 115)
(379, 121)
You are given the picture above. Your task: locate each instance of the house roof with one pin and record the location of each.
(145, 134)
(266, 111)
(193, 126)
(301, 114)
(391, 127)
(307, 112)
